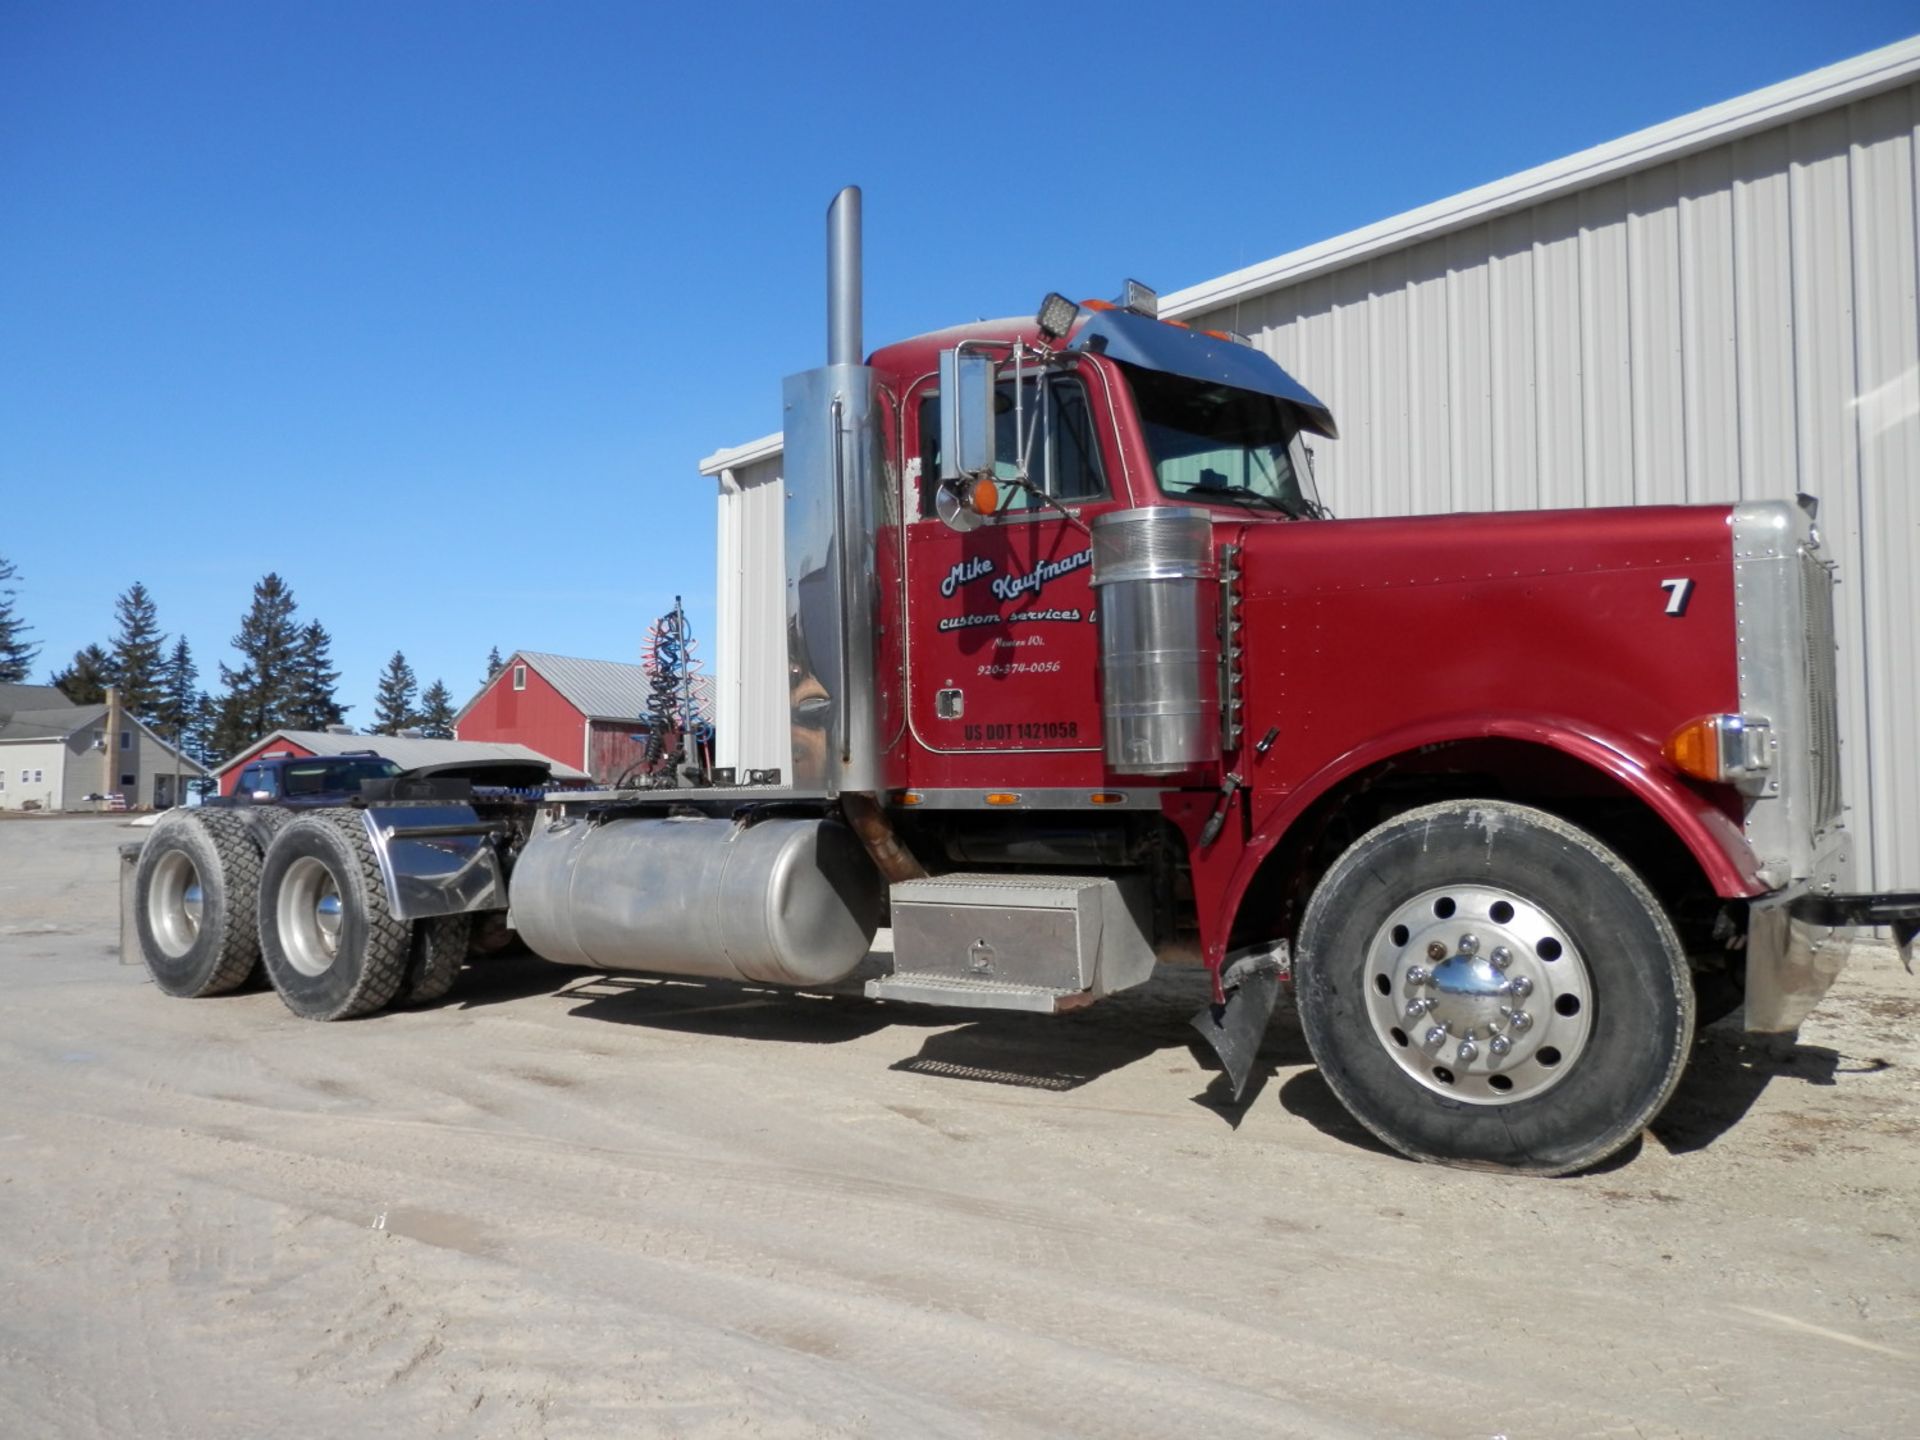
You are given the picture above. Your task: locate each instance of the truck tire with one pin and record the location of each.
(1485, 985)
(194, 893)
(330, 946)
(434, 957)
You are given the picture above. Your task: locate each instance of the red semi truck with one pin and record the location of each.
(1084, 679)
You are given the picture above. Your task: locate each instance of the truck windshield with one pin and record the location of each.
(1213, 443)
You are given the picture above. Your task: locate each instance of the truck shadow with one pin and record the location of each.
(1729, 1072)
(1034, 1052)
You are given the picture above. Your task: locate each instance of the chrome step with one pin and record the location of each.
(969, 994)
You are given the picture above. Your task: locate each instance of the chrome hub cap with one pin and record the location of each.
(1478, 994)
(309, 914)
(175, 904)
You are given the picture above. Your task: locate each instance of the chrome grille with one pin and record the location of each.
(1823, 711)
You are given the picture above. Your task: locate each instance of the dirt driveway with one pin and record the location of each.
(562, 1206)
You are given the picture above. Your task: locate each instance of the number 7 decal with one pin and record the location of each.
(1677, 593)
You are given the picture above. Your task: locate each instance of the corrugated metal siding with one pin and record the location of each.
(750, 697)
(1740, 323)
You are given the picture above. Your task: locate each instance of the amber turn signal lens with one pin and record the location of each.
(984, 498)
(1694, 749)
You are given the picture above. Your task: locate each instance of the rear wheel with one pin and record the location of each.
(194, 891)
(1483, 984)
(330, 946)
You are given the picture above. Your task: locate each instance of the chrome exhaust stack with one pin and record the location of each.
(835, 479)
(843, 278)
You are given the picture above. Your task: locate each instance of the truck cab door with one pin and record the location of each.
(1002, 639)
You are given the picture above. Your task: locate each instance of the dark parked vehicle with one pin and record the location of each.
(308, 781)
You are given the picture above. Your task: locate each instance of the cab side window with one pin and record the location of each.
(1064, 461)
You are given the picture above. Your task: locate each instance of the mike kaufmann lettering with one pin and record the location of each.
(964, 572)
(1012, 587)
(1024, 617)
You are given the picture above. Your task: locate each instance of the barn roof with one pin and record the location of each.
(598, 689)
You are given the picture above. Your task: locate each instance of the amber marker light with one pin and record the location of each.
(912, 797)
(1002, 797)
(1694, 749)
(1724, 749)
(1106, 797)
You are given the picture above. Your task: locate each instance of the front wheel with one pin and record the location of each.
(1483, 984)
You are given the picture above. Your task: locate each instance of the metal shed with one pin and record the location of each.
(1719, 308)
(750, 654)
(1723, 307)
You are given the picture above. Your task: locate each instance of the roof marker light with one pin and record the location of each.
(1140, 299)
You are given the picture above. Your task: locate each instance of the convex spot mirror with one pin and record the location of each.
(966, 415)
(963, 504)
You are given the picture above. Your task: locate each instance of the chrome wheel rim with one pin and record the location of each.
(1479, 994)
(309, 913)
(176, 904)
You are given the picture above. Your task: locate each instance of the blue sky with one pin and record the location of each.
(433, 308)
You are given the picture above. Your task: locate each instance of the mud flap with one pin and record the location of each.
(1235, 1027)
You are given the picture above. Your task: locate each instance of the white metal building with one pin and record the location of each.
(1723, 307)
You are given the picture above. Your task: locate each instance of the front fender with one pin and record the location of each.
(1223, 873)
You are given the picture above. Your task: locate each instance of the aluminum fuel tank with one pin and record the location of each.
(783, 902)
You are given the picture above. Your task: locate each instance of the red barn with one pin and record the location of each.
(584, 713)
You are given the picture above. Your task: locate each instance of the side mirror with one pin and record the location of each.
(966, 415)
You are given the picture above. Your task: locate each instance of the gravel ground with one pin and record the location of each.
(560, 1205)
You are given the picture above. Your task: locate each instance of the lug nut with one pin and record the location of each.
(1501, 957)
(1520, 1021)
(1499, 1045)
(1436, 951)
(1469, 944)
(1419, 975)
(1418, 1007)
(1520, 986)
(1436, 1037)
(1467, 1052)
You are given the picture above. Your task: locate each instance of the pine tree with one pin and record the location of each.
(313, 706)
(201, 723)
(16, 655)
(436, 712)
(494, 663)
(139, 653)
(393, 702)
(260, 691)
(179, 693)
(85, 681)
